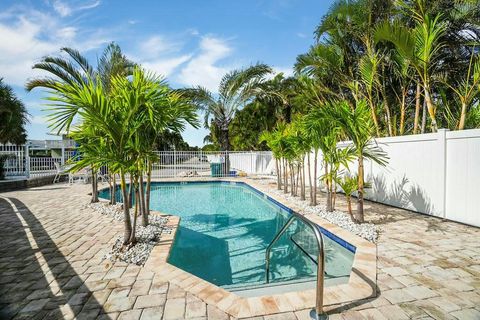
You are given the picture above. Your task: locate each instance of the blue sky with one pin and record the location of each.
(191, 42)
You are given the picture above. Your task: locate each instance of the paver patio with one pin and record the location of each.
(52, 267)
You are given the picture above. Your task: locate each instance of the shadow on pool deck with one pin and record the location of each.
(36, 280)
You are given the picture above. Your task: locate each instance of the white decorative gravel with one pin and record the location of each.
(368, 231)
(147, 236)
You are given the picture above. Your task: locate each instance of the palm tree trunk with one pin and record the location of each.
(315, 159)
(329, 194)
(94, 187)
(302, 189)
(143, 210)
(129, 199)
(417, 108)
(431, 110)
(279, 177)
(110, 188)
(424, 117)
(402, 112)
(114, 186)
(349, 207)
(359, 214)
(374, 117)
(126, 211)
(463, 115)
(148, 188)
(285, 177)
(310, 178)
(133, 238)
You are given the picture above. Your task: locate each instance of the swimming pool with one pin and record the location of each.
(226, 227)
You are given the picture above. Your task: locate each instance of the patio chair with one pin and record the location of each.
(61, 171)
(81, 175)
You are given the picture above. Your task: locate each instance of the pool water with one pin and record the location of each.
(225, 229)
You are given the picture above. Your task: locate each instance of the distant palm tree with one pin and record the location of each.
(13, 116)
(421, 46)
(236, 89)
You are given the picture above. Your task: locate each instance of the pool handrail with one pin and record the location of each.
(320, 259)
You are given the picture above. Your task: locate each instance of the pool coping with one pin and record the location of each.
(362, 283)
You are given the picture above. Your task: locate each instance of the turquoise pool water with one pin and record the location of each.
(225, 229)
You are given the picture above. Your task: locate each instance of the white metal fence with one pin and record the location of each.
(170, 164)
(173, 164)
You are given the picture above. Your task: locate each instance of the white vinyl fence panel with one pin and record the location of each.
(436, 174)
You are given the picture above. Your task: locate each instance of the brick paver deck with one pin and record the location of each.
(51, 267)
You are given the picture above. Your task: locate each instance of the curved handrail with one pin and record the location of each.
(320, 259)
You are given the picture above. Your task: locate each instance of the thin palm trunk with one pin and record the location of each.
(310, 178)
(402, 112)
(126, 211)
(148, 188)
(302, 190)
(110, 188)
(359, 214)
(130, 191)
(279, 176)
(285, 177)
(329, 194)
(424, 117)
(374, 116)
(463, 115)
(143, 211)
(94, 187)
(133, 238)
(431, 110)
(314, 201)
(417, 108)
(114, 186)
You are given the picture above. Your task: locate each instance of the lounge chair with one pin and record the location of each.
(81, 175)
(61, 171)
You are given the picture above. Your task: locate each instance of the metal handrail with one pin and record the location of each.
(321, 259)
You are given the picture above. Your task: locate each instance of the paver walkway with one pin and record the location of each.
(51, 267)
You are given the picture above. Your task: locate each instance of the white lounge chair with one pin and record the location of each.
(61, 171)
(82, 175)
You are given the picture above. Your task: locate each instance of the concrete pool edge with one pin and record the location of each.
(361, 284)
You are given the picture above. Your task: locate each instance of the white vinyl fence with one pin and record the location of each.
(435, 173)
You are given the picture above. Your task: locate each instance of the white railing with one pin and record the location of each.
(173, 164)
(15, 165)
(43, 166)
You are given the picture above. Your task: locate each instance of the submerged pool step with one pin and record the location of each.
(280, 287)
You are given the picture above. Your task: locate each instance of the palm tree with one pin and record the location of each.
(420, 45)
(349, 185)
(467, 89)
(76, 70)
(13, 116)
(236, 89)
(358, 127)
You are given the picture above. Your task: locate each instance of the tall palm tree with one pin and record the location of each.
(357, 125)
(13, 116)
(76, 70)
(421, 45)
(237, 88)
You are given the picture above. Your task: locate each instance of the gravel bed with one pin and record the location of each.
(147, 236)
(368, 231)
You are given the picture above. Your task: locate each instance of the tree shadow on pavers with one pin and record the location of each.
(36, 279)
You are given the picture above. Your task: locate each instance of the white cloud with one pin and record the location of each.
(203, 69)
(39, 119)
(165, 67)
(287, 71)
(156, 45)
(26, 35)
(65, 9)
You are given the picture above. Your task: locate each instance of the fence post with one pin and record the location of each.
(442, 144)
(27, 161)
(63, 156)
